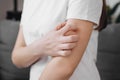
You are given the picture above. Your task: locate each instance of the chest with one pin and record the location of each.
(43, 15)
(42, 12)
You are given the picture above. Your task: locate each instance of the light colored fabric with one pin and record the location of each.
(40, 16)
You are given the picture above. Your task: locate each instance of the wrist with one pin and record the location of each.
(37, 48)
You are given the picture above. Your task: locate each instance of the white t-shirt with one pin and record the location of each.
(40, 16)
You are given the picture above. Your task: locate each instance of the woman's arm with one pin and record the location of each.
(51, 44)
(22, 55)
(61, 68)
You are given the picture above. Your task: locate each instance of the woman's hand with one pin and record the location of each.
(56, 43)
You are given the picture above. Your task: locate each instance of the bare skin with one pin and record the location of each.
(65, 56)
(61, 68)
(54, 44)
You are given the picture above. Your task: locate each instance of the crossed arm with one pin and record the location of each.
(61, 68)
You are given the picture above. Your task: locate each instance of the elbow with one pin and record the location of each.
(16, 62)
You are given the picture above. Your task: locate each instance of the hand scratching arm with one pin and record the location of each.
(61, 68)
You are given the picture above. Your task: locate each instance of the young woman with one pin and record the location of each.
(72, 45)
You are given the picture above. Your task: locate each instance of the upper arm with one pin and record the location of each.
(20, 42)
(64, 66)
(84, 29)
(89, 10)
(83, 14)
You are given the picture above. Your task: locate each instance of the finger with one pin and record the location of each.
(64, 52)
(67, 46)
(67, 28)
(60, 25)
(70, 38)
(64, 29)
(71, 32)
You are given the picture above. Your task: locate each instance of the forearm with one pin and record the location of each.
(61, 68)
(55, 71)
(51, 44)
(24, 56)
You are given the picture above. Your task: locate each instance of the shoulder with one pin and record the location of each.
(85, 9)
(94, 3)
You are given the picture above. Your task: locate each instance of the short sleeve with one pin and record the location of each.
(23, 15)
(85, 9)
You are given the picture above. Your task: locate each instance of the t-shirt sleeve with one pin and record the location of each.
(85, 10)
(23, 15)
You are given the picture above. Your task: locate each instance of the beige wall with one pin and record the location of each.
(6, 5)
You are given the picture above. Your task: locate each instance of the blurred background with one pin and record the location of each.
(108, 61)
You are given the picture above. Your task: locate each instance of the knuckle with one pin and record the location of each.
(76, 37)
(62, 53)
(68, 46)
(72, 38)
(66, 53)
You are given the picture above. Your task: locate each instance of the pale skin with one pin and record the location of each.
(61, 68)
(65, 61)
(54, 43)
